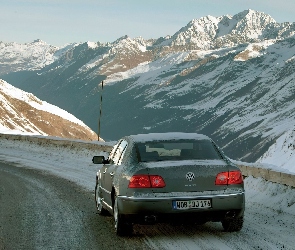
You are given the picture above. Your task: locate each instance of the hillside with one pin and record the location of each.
(16, 57)
(230, 77)
(282, 152)
(23, 113)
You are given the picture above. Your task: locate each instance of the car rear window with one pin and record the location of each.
(177, 150)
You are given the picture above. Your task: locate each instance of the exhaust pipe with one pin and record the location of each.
(230, 214)
(150, 219)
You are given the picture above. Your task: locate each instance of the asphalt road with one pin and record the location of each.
(42, 211)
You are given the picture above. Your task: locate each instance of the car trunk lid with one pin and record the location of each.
(187, 175)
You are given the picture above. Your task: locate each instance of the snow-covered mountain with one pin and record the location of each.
(23, 113)
(29, 56)
(226, 31)
(230, 77)
(282, 152)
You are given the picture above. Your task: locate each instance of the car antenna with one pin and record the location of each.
(100, 110)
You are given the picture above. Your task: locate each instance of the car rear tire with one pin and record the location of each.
(122, 227)
(100, 209)
(233, 224)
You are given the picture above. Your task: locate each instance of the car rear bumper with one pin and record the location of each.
(158, 206)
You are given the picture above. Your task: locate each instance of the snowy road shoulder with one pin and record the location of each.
(74, 164)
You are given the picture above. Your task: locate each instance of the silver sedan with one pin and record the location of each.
(164, 177)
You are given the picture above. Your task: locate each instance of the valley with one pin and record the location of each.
(230, 77)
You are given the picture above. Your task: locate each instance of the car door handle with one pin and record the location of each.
(112, 174)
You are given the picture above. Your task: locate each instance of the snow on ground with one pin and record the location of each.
(282, 152)
(269, 216)
(22, 54)
(149, 68)
(74, 164)
(35, 102)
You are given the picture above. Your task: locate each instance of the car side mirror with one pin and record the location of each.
(98, 160)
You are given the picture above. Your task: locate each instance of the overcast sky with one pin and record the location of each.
(59, 22)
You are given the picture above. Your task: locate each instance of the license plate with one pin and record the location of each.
(190, 204)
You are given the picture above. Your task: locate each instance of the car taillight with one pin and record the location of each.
(157, 181)
(235, 177)
(139, 181)
(229, 178)
(221, 178)
(146, 181)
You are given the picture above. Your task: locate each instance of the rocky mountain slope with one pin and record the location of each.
(29, 56)
(230, 77)
(24, 113)
(282, 152)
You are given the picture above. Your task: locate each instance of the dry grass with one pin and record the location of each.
(21, 114)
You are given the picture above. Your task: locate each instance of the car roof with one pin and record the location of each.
(167, 136)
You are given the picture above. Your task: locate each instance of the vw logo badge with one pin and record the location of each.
(190, 176)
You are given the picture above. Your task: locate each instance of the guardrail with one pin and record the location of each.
(268, 174)
(248, 169)
(43, 140)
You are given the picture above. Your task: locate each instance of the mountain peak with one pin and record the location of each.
(247, 12)
(254, 16)
(39, 41)
(210, 32)
(92, 45)
(122, 38)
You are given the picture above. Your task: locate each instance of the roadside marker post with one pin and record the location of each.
(100, 111)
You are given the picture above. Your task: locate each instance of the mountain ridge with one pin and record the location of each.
(234, 82)
(24, 113)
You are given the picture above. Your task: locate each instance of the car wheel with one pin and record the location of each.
(122, 227)
(233, 224)
(100, 209)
